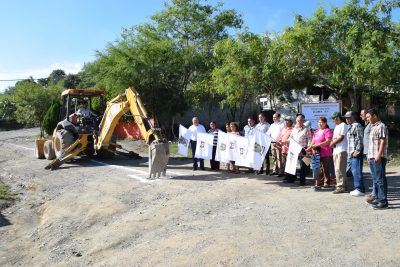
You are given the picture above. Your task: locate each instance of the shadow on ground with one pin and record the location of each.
(4, 221)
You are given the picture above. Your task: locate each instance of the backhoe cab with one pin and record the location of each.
(82, 131)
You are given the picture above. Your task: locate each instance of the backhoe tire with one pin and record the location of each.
(48, 150)
(62, 140)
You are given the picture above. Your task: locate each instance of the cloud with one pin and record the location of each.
(37, 73)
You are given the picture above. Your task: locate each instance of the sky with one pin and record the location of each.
(38, 37)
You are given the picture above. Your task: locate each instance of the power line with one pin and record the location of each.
(16, 80)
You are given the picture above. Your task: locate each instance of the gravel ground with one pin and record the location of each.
(107, 214)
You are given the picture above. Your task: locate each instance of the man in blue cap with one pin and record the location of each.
(354, 152)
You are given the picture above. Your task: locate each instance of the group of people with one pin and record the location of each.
(352, 143)
(331, 153)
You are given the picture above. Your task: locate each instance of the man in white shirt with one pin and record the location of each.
(263, 126)
(274, 132)
(339, 144)
(196, 128)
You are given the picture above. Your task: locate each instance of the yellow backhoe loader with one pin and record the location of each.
(80, 131)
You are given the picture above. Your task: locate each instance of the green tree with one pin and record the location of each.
(235, 75)
(31, 102)
(71, 81)
(56, 76)
(349, 50)
(51, 118)
(164, 58)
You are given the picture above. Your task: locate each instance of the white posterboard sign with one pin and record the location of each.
(312, 111)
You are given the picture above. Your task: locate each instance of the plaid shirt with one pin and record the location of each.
(367, 131)
(378, 131)
(301, 135)
(355, 139)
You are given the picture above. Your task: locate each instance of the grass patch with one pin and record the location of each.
(6, 196)
(5, 193)
(173, 151)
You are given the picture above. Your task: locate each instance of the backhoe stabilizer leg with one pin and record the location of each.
(158, 159)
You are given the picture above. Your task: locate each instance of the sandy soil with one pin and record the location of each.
(107, 214)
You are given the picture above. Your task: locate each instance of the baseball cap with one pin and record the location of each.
(350, 113)
(335, 115)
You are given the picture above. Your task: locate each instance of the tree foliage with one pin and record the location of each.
(163, 59)
(51, 118)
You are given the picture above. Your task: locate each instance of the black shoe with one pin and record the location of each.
(286, 181)
(202, 168)
(194, 169)
(302, 183)
(380, 205)
(274, 173)
(281, 175)
(258, 172)
(374, 202)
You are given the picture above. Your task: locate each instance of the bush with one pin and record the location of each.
(51, 117)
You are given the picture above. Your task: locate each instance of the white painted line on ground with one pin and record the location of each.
(26, 148)
(118, 167)
(143, 180)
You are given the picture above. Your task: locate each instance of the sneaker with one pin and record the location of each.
(357, 193)
(380, 205)
(281, 175)
(370, 198)
(339, 191)
(274, 173)
(317, 188)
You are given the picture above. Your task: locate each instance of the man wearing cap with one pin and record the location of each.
(274, 132)
(283, 142)
(339, 144)
(354, 152)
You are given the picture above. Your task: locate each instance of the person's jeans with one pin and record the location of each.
(378, 173)
(195, 160)
(355, 167)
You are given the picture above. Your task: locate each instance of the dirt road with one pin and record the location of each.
(105, 213)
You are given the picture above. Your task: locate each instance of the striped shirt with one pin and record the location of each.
(379, 131)
(215, 133)
(301, 135)
(354, 139)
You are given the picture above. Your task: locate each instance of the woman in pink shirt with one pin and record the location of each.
(322, 138)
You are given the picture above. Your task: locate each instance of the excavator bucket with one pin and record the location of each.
(158, 159)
